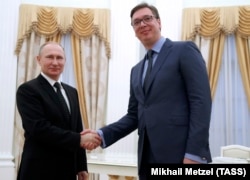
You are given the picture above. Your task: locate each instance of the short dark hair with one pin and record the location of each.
(145, 5)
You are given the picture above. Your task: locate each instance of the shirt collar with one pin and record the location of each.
(51, 81)
(157, 46)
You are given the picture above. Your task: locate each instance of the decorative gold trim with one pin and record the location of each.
(51, 21)
(210, 22)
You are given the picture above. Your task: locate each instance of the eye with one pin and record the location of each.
(50, 57)
(147, 19)
(137, 22)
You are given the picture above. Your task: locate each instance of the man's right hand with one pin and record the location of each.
(90, 139)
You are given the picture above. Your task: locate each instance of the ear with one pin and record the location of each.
(159, 22)
(38, 58)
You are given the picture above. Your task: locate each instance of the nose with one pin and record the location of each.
(143, 23)
(54, 60)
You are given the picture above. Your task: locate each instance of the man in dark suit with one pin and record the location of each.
(172, 112)
(53, 147)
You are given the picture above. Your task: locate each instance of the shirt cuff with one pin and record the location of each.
(195, 158)
(103, 144)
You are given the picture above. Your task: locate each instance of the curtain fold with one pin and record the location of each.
(243, 51)
(214, 61)
(243, 48)
(215, 24)
(76, 53)
(49, 21)
(208, 22)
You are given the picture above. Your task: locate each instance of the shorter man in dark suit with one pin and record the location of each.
(53, 147)
(170, 104)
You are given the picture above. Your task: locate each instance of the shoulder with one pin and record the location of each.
(37, 84)
(30, 83)
(185, 46)
(180, 43)
(28, 89)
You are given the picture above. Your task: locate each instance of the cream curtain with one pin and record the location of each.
(49, 21)
(215, 24)
(89, 31)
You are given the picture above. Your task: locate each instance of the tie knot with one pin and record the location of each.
(57, 85)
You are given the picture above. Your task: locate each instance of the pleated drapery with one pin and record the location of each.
(50, 21)
(215, 24)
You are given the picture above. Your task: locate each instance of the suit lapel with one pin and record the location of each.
(162, 57)
(139, 77)
(47, 88)
(72, 101)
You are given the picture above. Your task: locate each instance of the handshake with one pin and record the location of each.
(90, 139)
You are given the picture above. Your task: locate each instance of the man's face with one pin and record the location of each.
(146, 26)
(52, 60)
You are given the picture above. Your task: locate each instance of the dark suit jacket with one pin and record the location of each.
(175, 112)
(52, 146)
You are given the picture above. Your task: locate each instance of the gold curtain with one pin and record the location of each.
(50, 21)
(53, 22)
(243, 47)
(215, 24)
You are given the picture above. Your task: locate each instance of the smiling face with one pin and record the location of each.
(148, 31)
(52, 60)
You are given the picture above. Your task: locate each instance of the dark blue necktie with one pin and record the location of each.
(149, 69)
(62, 101)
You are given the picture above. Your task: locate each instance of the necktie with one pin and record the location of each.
(150, 62)
(62, 101)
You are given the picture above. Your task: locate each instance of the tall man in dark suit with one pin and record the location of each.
(172, 112)
(54, 147)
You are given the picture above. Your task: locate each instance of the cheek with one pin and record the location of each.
(62, 64)
(46, 65)
(137, 34)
